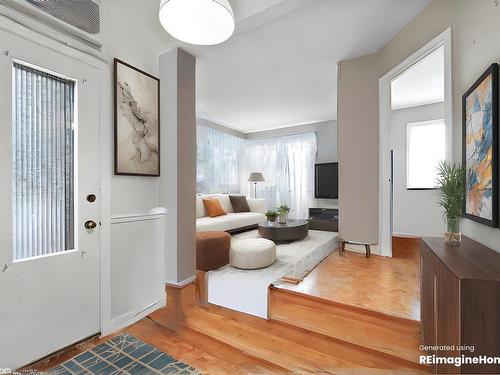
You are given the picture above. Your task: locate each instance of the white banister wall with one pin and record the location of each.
(178, 163)
(137, 267)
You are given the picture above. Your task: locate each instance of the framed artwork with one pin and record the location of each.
(480, 148)
(137, 121)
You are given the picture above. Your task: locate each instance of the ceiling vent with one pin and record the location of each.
(82, 14)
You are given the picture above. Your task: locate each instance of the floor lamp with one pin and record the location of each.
(256, 177)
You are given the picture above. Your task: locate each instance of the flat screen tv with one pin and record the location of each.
(326, 181)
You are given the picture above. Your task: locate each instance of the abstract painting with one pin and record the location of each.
(480, 148)
(137, 121)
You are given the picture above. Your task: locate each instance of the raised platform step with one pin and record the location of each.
(392, 337)
(275, 347)
(209, 356)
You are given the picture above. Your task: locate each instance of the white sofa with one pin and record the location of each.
(233, 221)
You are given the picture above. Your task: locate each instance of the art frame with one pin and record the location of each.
(480, 130)
(136, 121)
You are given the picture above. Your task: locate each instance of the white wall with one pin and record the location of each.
(416, 212)
(135, 36)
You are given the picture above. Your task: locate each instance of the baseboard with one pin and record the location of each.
(406, 235)
(181, 284)
(128, 319)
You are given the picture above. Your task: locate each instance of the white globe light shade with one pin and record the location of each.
(202, 22)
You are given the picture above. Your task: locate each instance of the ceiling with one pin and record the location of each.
(422, 84)
(280, 67)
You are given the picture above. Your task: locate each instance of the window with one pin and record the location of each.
(425, 148)
(287, 164)
(218, 161)
(42, 163)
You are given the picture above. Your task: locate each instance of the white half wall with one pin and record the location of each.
(137, 267)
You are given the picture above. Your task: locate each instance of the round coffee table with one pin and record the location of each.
(292, 230)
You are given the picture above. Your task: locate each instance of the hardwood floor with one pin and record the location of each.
(387, 285)
(304, 335)
(273, 346)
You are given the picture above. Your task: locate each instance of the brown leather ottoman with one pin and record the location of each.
(212, 250)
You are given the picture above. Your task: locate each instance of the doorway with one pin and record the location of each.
(50, 232)
(411, 113)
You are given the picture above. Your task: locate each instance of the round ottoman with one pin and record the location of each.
(250, 254)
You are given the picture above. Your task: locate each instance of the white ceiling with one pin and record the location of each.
(280, 67)
(422, 84)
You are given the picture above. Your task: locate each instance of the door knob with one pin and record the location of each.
(90, 224)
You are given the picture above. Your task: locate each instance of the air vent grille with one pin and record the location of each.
(82, 14)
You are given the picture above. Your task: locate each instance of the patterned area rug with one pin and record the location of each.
(124, 354)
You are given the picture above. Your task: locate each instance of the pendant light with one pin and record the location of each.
(202, 22)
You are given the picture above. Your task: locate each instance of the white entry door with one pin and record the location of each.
(49, 201)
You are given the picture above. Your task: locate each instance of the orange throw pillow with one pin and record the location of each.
(213, 207)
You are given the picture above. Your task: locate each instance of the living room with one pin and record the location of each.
(229, 186)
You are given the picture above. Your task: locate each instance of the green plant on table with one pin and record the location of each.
(272, 213)
(451, 182)
(283, 209)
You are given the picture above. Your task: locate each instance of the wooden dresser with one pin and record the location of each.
(460, 301)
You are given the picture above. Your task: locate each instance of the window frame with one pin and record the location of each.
(75, 128)
(414, 124)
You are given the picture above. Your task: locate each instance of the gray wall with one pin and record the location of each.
(358, 137)
(222, 128)
(416, 212)
(178, 162)
(326, 133)
(475, 45)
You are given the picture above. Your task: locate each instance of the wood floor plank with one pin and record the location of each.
(167, 341)
(295, 350)
(320, 318)
(386, 284)
(280, 297)
(315, 340)
(215, 346)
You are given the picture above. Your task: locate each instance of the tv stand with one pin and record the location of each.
(326, 219)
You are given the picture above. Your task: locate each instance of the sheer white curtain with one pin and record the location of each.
(42, 163)
(218, 161)
(287, 164)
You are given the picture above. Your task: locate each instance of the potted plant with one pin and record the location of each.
(451, 182)
(271, 216)
(283, 211)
